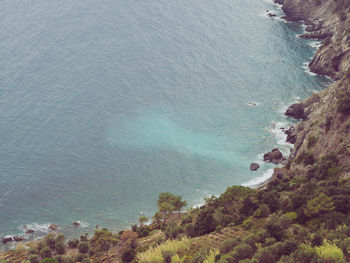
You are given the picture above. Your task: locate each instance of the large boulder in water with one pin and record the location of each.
(275, 156)
(7, 240)
(18, 238)
(254, 166)
(296, 111)
(53, 227)
(30, 231)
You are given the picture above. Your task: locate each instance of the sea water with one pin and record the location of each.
(105, 104)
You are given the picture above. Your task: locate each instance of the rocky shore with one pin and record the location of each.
(325, 123)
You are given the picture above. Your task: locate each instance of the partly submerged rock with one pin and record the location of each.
(291, 135)
(18, 238)
(296, 111)
(53, 227)
(30, 231)
(76, 223)
(254, 166)
(7, 240)
(275, 156)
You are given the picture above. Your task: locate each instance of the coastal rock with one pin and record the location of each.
(53, 227)
(30, 231)
(275, 156)
(76, 223)
(291, 135)
(254, 166)
(7, 240)
(271, 14)
(296, 111)
(18, 238)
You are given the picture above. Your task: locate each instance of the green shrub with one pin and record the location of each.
(218, 228)
(59, 259)
(49, 260)
(205, 222)
(262, 211)
(292, 216)
(50, 240)
(319, 205)
(345, 246)
(45, 252)
(73, 243)
(275, 229)
(186, 219)
(84, 247)
(263, 255)
(228, 245)
(243, 251)
(311, 141)
(247, 224)
(173, 230)
(60, 247)
(189, 230)
(306, 157)
(330, 253)
(60, 238)
(269, 241)
(80, 257)
(34, 258)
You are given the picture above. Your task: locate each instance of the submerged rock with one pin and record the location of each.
(271, 14)
(275, 156)
(76, 223)
(30, 231)
(254, 166)
(296, 111)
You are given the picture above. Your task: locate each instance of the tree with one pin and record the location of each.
(104, 239)
(143, 220)
(320, 205)
(165, 204)
(179, 204)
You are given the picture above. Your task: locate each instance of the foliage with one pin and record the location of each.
(34, 258)
(228, 245)
(128, 255)
(60, 247)
(154, 254)
(262, 211)
(73, 243)
(330, 253)
(49, 260)
(50, 240)
(319, 205)
(45, 252)
(84, 247)
(173, 230)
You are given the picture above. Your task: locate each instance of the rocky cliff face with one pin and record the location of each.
(323, 136)
(328, 20)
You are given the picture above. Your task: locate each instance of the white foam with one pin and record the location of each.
(306, 68)
(260, 179)
(36, 227)
(315, 44)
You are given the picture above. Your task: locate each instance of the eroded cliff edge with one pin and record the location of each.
(324, 129)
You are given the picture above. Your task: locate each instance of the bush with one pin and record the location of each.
(84, 247)
(205, 222)
(189, 230)
(67, 260)
(247, 224)
(269, 241)
(344, 102)
(262, 211)
(306, 157)
(49, 260)
(45, 252)
(330, 253)
(80, 257)
(263, 255)
(274, 229)
(73, 243)
(292, 216)
(172, 230)
(128, 255)
(243, 251)
(228, 245)
(60, 238)
(59, 259)
(167, 255)
(218, 228)
(34, 258)
(50, 240)
(186, 219)
(60, 247)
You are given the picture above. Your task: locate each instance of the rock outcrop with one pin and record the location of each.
(275, 156)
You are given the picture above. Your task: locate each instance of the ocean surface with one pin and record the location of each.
(105, 104)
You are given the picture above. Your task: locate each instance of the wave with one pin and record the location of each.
(260, 179)
(306, 68)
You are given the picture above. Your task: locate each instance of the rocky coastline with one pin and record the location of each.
(322, 128)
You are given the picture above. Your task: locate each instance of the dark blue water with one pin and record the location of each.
(105, 104)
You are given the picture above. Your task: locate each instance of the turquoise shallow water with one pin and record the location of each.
(105, 104)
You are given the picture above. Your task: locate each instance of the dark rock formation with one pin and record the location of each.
(53, 227)
(296, 111)
(30, 231)
(254, 166)
(291, 135)
(271, 14)
(7, 240)
(18, 238)
(275, 156)
(76, 223)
